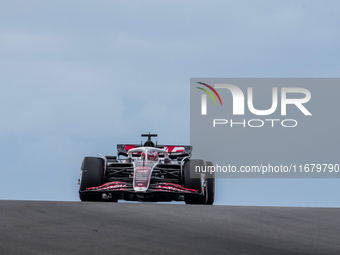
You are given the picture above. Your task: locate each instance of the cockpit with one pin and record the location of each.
(147, 154)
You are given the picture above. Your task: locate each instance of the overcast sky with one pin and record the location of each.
(78, 77)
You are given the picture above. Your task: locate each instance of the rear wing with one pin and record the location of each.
(175, 151)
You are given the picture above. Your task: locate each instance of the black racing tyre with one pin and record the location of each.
(193, 183)
(210, 184)
(92, 175)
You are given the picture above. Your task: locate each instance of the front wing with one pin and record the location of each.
(116, 186)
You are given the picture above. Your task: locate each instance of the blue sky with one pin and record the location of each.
(79, 77)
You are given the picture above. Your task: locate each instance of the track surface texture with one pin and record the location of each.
(36, 227)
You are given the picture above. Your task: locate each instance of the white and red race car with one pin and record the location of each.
(147, 173)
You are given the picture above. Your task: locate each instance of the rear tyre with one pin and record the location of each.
(210, 184)
(193, 183)
(92, 175)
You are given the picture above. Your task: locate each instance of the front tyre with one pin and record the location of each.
(92, 170)
(210, 184)
(194, 181)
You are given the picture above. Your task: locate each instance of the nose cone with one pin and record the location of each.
(140, 189)
(142, 174)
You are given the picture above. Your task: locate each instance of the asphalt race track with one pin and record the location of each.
(36, 227)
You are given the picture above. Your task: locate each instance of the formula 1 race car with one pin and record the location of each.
(147, 173)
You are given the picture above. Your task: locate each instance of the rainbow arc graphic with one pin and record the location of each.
(209, 93)
(204, 97)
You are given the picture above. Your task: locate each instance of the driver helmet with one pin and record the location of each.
(152, 156)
